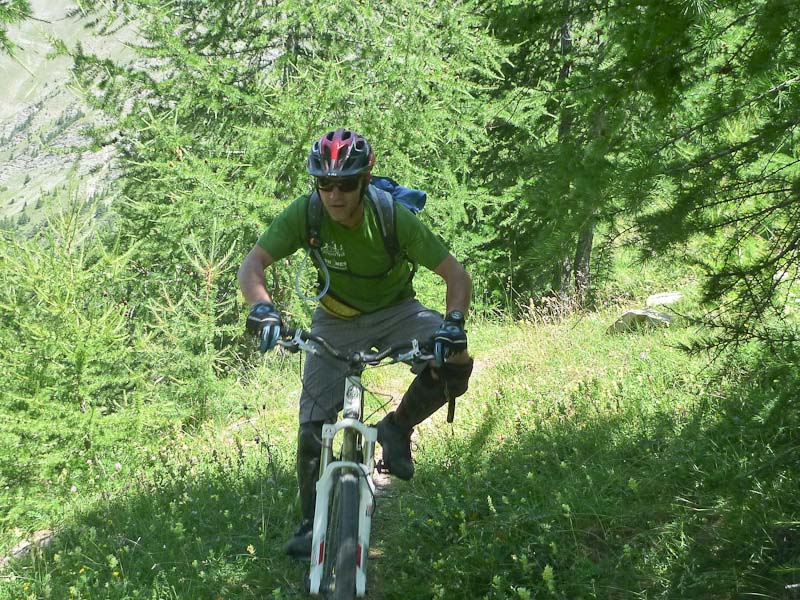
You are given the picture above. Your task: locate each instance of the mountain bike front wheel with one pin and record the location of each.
(341, 544)
(347, 551)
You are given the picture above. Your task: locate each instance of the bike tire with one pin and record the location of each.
(347, 550)
(341, 543)
(331, 541)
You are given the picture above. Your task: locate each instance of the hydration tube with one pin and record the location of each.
(325, 273)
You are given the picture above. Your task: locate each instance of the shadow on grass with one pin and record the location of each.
(693, 497)
(186, 529)
(692, 500)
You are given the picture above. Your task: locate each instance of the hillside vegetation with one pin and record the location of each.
(45, 149)
(581, 465)
(577, 156)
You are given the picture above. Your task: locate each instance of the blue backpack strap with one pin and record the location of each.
(385, 209)
(384, 203)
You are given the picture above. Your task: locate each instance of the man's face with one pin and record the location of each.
(341, 196)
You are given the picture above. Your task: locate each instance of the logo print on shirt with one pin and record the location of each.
(333, 254)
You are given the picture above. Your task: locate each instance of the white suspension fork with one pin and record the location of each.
(350, 425)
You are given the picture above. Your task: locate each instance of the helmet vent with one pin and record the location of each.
(340, 153)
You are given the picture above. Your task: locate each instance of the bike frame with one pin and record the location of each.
(350, 427)
(354, 459)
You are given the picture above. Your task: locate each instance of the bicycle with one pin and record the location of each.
(345, 489)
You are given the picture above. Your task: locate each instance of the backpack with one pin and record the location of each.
(383, 192)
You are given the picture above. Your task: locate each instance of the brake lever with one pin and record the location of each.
(297, 343)
(415, 354)
(288, 346)
(409, 355)
(304, 345)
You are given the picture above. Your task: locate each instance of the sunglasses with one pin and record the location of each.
(345, 184)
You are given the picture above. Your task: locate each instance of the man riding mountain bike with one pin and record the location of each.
(368, 300)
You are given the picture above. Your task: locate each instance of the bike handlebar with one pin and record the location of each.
(298, 339)
(412, 351)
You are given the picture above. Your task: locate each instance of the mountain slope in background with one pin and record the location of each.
(43, 152)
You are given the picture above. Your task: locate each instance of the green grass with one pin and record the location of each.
(581, 465)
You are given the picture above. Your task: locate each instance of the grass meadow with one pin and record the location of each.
(581, 465)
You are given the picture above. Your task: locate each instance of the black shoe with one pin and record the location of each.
(299, 545)
(396, 444)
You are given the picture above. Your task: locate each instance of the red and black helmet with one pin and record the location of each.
(340, 153)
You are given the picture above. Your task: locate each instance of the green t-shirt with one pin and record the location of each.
(354, 253)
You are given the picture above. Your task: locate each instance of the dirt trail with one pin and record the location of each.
(381, 521)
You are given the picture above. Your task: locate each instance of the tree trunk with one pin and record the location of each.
(562, 270)
(562, 278)
(582, 263)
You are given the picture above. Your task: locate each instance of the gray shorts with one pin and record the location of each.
(323, 379)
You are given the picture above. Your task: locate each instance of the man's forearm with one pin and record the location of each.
(252, 282)
(459, 293)
(459, 284)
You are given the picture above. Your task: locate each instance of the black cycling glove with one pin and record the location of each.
(450, 338)
(265, 321)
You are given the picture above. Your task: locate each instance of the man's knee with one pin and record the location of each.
(456, 377)
(309, 439)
